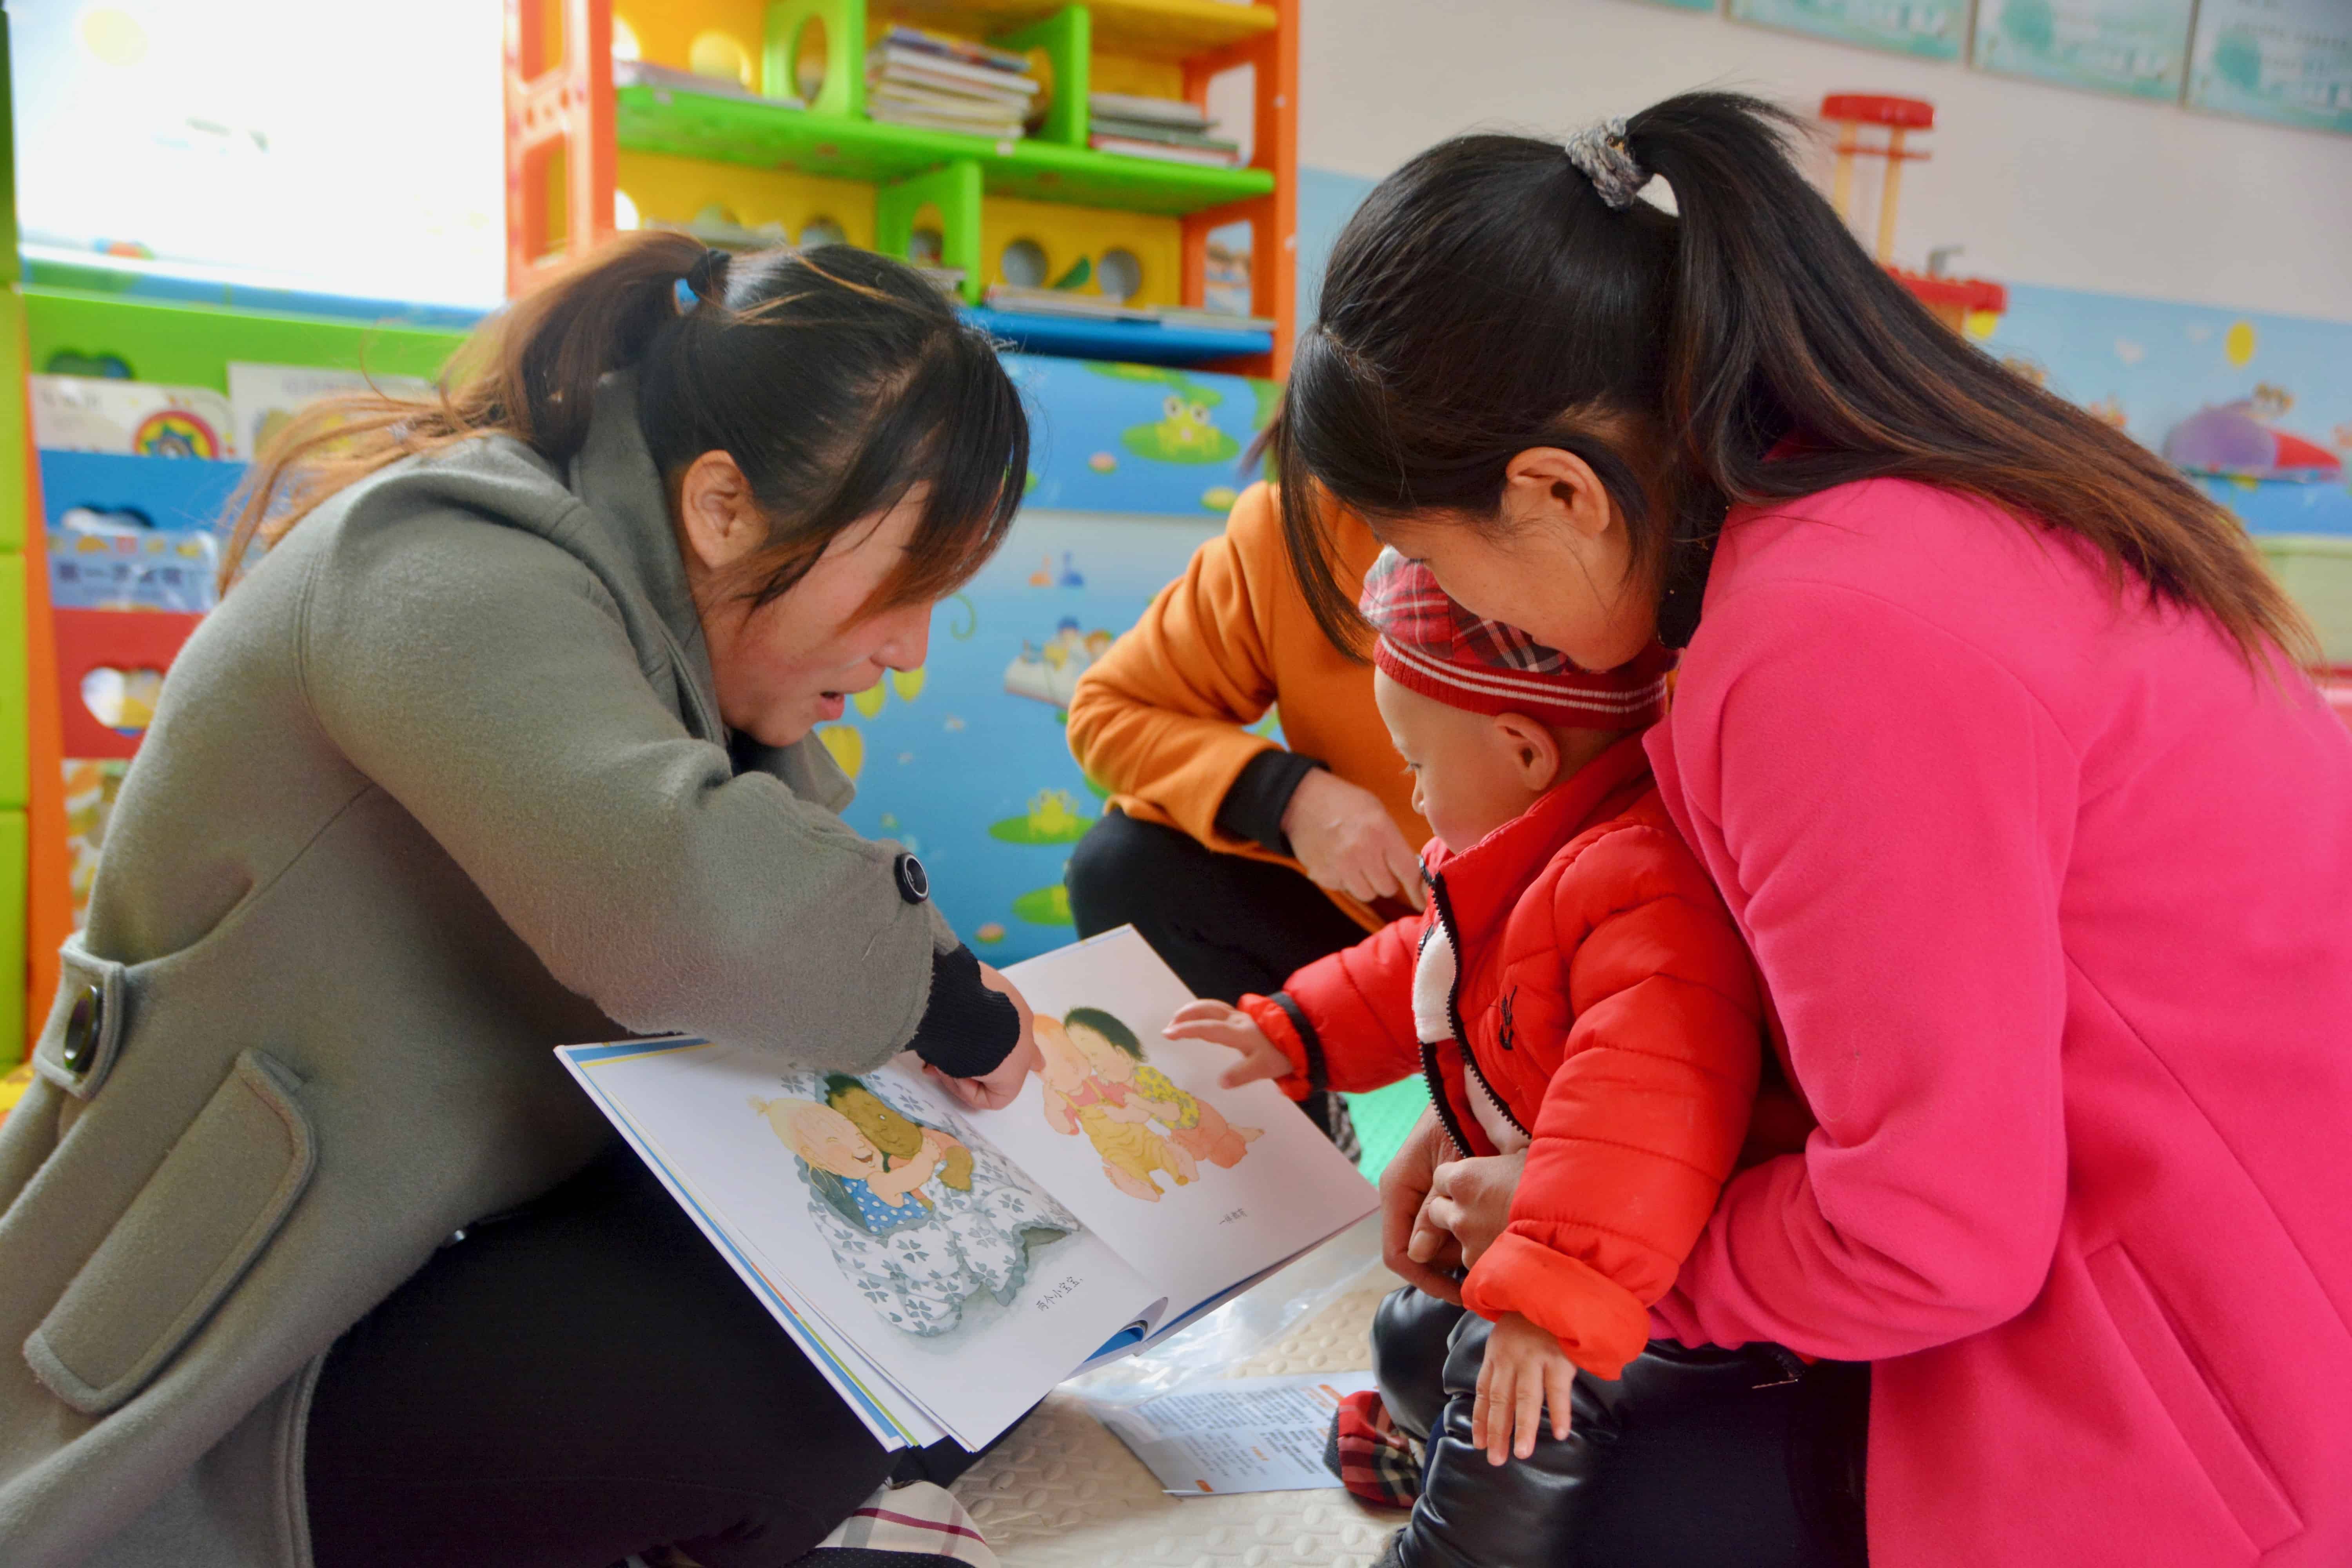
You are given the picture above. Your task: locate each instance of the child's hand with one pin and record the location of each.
(1524, 1370)
(1226, 1025)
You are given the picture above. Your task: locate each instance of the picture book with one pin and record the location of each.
(97, 414)
(1208, 1186)
(262, 397)
(945, 1267)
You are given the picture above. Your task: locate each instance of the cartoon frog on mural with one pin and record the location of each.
(1187, 432)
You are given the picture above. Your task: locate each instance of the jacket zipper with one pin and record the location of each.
(1470, 1064)
(1443, 904)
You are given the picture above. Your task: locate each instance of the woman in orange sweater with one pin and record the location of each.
(1241, 861)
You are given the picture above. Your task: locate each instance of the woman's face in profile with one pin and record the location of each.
(1556, 562)
(792, 663)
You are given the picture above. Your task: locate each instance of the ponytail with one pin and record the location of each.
(837, 383)
(1499, 292)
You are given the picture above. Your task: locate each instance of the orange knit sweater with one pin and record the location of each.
(1161, 718)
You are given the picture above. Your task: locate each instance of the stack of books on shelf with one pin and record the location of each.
(1056, 302)
(669, 78)
(914, 76)
(720, 232)
(1164, 127)
(1100, 307)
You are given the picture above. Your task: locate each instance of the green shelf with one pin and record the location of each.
(191, 345)
(769, 136)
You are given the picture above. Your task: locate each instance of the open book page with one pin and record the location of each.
(1198, 1188)
(1236, 1433)
(938, 1285)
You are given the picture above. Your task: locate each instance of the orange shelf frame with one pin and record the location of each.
(561, 151)
(1273, 219)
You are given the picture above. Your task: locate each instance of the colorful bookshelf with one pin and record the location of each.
(781, 137)
(180, 343)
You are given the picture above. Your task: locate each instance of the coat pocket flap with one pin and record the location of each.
(84, 1032)
(184, 1241)
(2205, 1422)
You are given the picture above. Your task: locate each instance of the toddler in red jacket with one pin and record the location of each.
(1574, 989)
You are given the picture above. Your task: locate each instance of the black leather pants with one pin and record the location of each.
(1695, 1459)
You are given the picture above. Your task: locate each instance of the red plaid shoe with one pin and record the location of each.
(1369, 1456)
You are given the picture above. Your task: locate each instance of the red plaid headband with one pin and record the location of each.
(1442, 651)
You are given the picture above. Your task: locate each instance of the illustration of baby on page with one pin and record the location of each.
(1097, 1081)
(920, 1221)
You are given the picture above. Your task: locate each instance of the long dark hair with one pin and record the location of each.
(837, 381)
(1485, 300)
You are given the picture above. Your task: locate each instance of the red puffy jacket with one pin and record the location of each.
(1611, 1012)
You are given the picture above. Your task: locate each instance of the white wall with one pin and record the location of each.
(2042, 185)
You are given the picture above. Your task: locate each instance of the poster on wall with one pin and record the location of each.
(1934, 28)
(2284, 60)
(2135, 47)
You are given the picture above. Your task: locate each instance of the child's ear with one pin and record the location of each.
(1533, 751)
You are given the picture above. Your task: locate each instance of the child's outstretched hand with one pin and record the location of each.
(1225, 1025)
(1524, 1370)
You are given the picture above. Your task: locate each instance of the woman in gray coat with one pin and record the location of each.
(313, 1252)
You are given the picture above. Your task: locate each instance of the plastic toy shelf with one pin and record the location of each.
(1150, 29)
(1131, 342)
(768, 135)
(169, 492)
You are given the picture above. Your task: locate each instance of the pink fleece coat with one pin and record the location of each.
(2053, 899)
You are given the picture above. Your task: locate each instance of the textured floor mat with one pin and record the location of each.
(1062, 1492)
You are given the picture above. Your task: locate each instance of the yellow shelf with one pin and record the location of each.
(1147, 29)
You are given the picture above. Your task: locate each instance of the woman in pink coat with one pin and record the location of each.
(1991, 729)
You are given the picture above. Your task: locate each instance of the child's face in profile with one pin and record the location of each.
(1471, 771)
(1106, 1060)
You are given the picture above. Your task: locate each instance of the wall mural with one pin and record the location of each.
(2258, 406)
(967, 761)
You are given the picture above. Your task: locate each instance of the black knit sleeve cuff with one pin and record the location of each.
(1318, 1070)
(968, 1029)
(1253, 808)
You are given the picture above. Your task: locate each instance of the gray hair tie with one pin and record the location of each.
(1600, 151)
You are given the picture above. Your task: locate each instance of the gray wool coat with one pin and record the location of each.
(441, 785)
